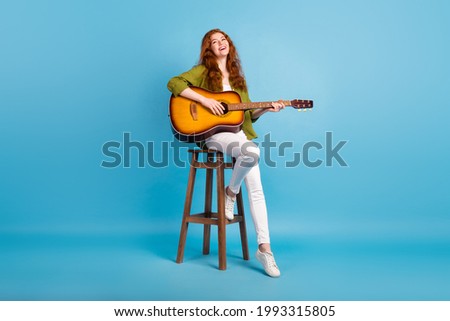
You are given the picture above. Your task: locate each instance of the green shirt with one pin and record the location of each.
(197, 77)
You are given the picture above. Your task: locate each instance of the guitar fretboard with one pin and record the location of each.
(263, 104)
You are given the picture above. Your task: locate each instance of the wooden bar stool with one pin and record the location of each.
(214, 161)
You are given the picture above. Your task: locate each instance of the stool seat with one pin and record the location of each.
(214, 162)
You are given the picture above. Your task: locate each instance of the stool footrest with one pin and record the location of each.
(211, 219)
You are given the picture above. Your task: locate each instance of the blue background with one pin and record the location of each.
(77, 74)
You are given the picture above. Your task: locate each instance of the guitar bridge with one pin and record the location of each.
(193, 110)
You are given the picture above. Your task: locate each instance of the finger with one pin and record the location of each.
(217, 110)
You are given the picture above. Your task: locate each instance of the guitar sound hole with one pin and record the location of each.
(226, 107)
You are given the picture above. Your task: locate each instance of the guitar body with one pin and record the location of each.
(191, 122)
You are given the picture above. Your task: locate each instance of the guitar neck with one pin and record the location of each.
(255, 105)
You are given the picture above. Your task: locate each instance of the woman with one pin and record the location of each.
(219, 69)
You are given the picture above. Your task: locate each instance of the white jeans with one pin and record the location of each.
(246, 168)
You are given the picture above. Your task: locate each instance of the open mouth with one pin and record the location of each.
(223, 48)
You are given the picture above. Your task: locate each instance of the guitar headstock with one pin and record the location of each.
(301, 104)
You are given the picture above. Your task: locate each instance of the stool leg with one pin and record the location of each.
(242, 227)
(208, 200)
(186, 214)
(221, 214)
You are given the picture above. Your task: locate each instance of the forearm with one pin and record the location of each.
(192, 95)
(258, 113)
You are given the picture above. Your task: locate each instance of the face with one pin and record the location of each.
(219, 45)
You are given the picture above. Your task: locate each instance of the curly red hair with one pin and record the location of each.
(209, 60)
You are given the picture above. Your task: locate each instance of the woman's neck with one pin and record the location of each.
(222, 62)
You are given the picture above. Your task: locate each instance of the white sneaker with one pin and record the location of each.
(268, 262)
(229, 206)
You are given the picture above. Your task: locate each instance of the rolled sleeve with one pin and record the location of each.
(177, 84)
(189, 78)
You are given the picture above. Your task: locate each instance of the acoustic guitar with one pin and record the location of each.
(192, 122)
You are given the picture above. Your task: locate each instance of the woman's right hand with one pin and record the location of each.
(213, 105)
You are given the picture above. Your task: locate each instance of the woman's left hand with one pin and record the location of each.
(276, 106)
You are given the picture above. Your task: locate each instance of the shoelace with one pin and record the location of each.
(270, 260)
(229, 204)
